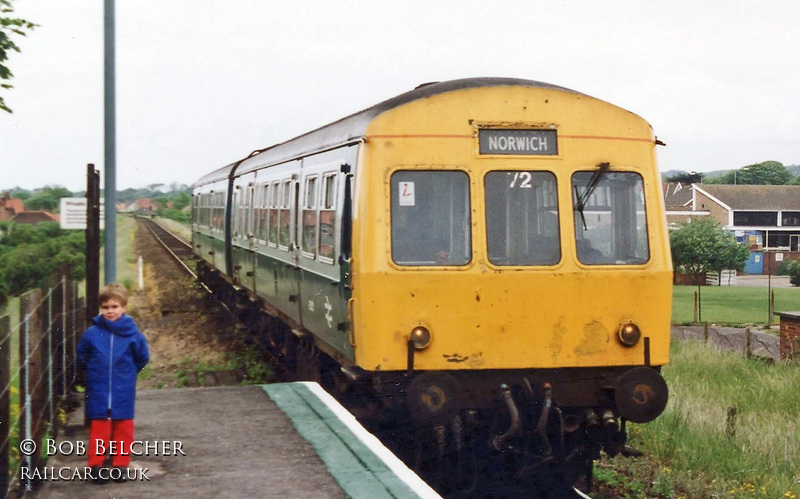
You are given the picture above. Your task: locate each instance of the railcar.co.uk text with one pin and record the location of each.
(137, 448)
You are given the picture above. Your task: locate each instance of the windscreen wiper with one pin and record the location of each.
(582, 199)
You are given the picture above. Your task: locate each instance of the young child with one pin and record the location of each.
(112, 352)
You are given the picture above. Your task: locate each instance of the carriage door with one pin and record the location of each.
(242, 231)
(295, 298)
(248, 265)
(288, 272)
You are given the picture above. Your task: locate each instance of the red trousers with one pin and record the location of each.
(110, 437)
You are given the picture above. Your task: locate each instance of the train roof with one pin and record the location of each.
(352, 128)
(217, 175)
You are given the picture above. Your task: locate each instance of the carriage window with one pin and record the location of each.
(430, 218)
(309, 241)
(218, 211)
(522, 218)
(327, 219)
(261, 212)
(245, 199)
(285, 222)
(611, 227)
(201, 211)
(273, 213)
(235, 213)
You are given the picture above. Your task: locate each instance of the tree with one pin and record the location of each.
(29, 254)
(686, 178)
(181, 201)
(47, 199)
(9, 26)
(793, 270)
(703, 245)
(764, 173)
(161, 201)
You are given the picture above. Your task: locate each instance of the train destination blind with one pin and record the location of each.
(518, 142)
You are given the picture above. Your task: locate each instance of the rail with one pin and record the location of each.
(176, 247)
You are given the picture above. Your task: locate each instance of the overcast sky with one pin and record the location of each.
(202, 83)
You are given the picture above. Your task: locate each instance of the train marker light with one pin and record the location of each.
(629, 334)
(421, 337)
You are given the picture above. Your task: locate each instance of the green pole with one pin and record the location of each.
(110, 144)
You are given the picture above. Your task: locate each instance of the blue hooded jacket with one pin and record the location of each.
(113, 353)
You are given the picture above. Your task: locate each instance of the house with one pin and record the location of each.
(765, 217)
(145, 204)
(14, 210)
(678, 203)
(34, 217)
(10, 207)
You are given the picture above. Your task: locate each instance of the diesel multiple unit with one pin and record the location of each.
(487, 257)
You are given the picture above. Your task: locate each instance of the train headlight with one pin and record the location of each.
(629, 334)
(421, 337)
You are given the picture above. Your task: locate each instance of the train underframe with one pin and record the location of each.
(463, 429)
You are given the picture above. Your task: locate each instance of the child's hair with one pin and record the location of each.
(114, 292)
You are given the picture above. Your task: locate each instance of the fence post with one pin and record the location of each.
(5, 400)
(748, 340)
(49, 407)
(37, 376)
(795, 350)
(731, 422)
(57, 341)
(76, 317)
(66, 314)
(31, 375)
(80, 326)
(771, 309)
(29, 320)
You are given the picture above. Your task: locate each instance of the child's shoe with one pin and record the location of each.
(119, 474)
(96, 475)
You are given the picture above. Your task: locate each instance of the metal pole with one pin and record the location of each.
(768, 263)
(110, 144)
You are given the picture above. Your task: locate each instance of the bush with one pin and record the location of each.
(30, 254)
(173, 214)
(783, 268)
(793, 271)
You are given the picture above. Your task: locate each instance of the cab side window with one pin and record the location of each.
(430, 218)
(610, 221)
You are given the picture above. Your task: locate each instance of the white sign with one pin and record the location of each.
(406, 194)
(73, 213)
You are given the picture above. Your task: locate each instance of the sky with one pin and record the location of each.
(202, 83)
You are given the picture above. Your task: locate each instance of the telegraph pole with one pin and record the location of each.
(110, 143)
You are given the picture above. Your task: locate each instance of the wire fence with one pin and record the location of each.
(37, 371)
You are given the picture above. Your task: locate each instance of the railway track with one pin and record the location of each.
(179, 249)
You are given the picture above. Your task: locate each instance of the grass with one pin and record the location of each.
(126, 253)
(254, 367)
(698, 450)
(180, 229)
(731, 305)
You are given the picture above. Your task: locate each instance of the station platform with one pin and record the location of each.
(287, 440)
